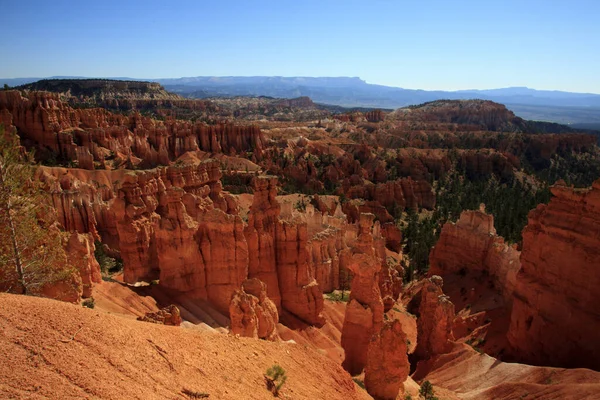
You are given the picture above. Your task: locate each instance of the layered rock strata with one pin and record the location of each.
(252, 313)
(472, 245)
(435, 319)
(364, 312)
(555, 313)
(387, 362)
(92, 137)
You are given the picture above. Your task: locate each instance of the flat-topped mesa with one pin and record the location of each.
(480, 114)
(102, 88)
(93, 137)
(555, 313)
(472, 245)
(364, 312)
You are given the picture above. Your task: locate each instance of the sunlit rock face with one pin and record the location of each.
(555, 313)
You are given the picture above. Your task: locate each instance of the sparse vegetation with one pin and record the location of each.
(338, 295)
(89, 303)
(275, 378)
(108, 264)
(359, 382)
(194, 394)
(427, 391)
(300, 205)
(31, 251)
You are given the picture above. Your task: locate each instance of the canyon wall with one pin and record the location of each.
(174, 224)
(556, 310)
(472, 245)
(93, 137)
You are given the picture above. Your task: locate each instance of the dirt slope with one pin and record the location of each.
(474, 376)
(50, 349)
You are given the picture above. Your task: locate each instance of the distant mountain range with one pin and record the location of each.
(543, 105)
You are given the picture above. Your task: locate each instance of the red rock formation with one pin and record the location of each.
(375, 116)
(167, 316)
(390, 284)
(260, 236)
(80, 255)
(434, 322)
(278, 255)
(393, 236)
(404, 193)
(172, 224)
(324, 253)
(252, 313)
(364, 312)
(67, 276)
(92, 135)
(472, 245)
(387, 362)
(300, 102)
(555, 313)
(300, 292)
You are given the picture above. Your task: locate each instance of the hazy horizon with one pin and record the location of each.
(428, 45)
(154, 79)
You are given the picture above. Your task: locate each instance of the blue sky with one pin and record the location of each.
(424, 44)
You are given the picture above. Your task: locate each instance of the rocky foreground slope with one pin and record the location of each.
(51, 349)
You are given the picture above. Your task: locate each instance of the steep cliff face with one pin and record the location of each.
(472, 245)
(278, 255)
(300, 292)
(95, 137)
(434, 323)
(175, 224)
(263, 219)
(172, 224)
(405, 193)
(364, 312)
(80, 255)
(387, 362)
(555, 314)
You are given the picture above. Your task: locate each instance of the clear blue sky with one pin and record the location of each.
(418, 44)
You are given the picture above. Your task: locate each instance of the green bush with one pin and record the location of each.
(89, 303)
(275, 378)
(427, 391)
(107, 264)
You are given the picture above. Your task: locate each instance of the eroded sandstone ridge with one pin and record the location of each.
(175, 224)
(252, 313)
(95, 137)
(279, 256)
(434, 323)
(170, 223)
(472, 245)
(556, 308)
(364, 312)
(387, 362)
